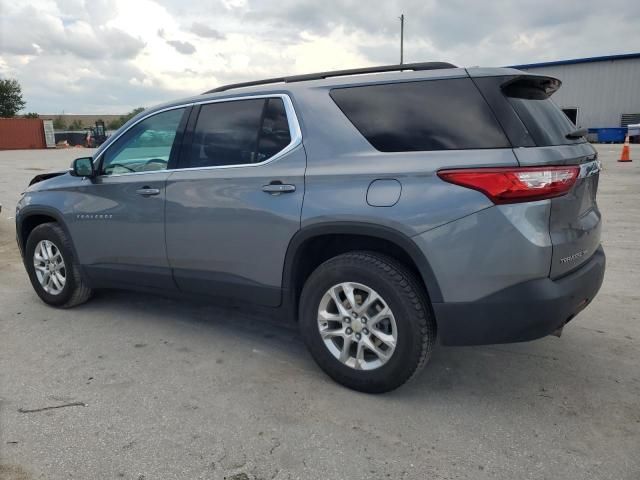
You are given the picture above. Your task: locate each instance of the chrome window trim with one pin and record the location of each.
(292, 120)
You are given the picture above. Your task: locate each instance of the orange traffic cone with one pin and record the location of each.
(625, 156)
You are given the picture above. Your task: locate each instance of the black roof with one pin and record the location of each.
(338, 73)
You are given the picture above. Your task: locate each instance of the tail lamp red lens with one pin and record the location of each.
(515, 184)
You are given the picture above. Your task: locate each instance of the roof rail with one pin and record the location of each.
(338, 73)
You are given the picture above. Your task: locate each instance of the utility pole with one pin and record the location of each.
(401, 39)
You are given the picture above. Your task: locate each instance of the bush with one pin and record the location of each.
(116, 124)
(76, 125)
(58, 123)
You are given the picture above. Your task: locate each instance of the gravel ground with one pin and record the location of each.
(168, 389)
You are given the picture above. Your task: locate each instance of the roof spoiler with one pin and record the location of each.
(531, 87)
(338, 73)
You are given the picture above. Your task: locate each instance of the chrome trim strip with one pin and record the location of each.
(292, 119)
(164, 170)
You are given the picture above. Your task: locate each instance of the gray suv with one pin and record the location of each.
(383, 209)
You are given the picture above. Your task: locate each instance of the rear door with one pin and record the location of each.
(234, 203)
(575, 221)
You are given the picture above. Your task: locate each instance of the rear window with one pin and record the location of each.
(421, 116)
(547, 123)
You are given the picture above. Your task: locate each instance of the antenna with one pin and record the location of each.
(401, 39)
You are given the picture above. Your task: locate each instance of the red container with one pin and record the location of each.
(21, 133)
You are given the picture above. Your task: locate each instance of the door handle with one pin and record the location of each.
(147, 192)
(277, 188)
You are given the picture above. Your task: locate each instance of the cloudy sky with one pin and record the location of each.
(109, 56)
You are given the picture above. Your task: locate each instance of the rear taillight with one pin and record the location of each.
(514, 184)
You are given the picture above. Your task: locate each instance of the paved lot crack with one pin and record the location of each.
(34, 410)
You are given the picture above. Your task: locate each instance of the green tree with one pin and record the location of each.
(59, 123)
(133, 113)
(11, 101)
(31, 115)
(76, 125)
(117, 123)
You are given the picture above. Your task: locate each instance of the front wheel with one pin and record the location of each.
(366, 321)
(52, 268)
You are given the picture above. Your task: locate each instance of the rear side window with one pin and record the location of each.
(546, 122)
(420, 116)
(238, 132)
(274, 134)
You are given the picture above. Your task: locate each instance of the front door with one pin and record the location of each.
(118, 226)
(235, 201)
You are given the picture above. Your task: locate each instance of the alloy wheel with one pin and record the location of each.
(50, 267)
(357, 326)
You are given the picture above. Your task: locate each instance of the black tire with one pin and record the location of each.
(75, 290)
(400, 289)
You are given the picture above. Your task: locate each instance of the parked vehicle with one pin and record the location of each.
(382, 209)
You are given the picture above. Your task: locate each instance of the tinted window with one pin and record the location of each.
(274, 135)
(238, 132)
(547, 124)
(144, 147)
(509, 120)
(426, 115)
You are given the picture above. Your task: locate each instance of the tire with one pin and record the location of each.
(410, 319)
(74, 291)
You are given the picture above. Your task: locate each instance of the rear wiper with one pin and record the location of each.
(580, 132)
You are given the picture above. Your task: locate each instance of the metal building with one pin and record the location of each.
(596, 92)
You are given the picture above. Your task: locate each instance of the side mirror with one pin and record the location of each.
(82, 167)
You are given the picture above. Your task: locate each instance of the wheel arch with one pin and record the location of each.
(296, 269)
(30, 217)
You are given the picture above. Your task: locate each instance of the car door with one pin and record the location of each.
(235, 201)
(118, 226)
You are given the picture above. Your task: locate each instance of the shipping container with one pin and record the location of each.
(21, 133)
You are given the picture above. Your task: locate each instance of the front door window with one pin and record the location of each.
(145, 147)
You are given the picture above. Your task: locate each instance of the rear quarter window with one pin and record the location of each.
(427, 115)
(546, 122)
(530, 97)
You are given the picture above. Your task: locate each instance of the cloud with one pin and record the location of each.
(104, 86)
(29, 31)
(185, 48)
(205, 31)
(112, 55)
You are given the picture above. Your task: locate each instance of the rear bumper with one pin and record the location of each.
(522, 312)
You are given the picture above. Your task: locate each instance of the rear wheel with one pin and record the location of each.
(52, 268)
(366, 321)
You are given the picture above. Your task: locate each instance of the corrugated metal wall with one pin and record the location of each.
(21, 133)
(602, 91)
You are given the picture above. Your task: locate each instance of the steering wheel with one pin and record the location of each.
(156, 160)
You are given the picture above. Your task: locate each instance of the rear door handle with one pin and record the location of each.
(275, 188)
(147, 192)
